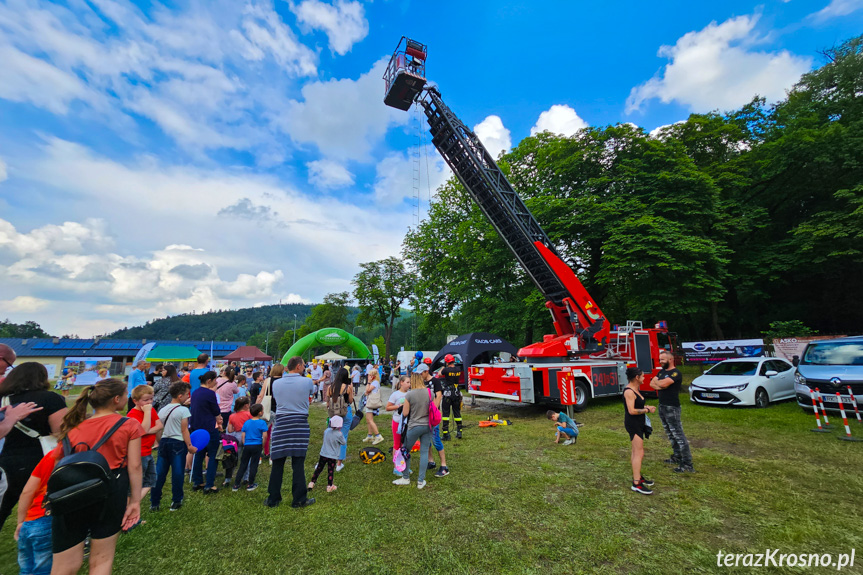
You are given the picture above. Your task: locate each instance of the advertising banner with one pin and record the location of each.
(716, 351)
(788, 347)
(86, 369)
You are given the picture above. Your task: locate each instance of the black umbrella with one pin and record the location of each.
(472, 345)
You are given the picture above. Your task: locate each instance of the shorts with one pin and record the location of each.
(148, 471)
(436, 441)
(568, 431)
(99, 521)
(635, 430)
(372, 411)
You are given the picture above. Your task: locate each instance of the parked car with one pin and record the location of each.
(831, 366)
(744, 381)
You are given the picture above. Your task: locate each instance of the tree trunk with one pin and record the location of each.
(714, 316)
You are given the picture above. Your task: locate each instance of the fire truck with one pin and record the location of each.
(586, 357)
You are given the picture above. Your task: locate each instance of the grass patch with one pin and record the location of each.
(515, 502)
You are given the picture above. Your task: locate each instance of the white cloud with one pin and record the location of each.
(718, 68)
(836, 9)
(559, 119)
(343, 22)
(394, 176)
(658, 131)
(23, 303)
(108, 270)
(329, 175)
(344, 118)
(493, 135)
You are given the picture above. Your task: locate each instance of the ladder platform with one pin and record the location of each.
(403, 90)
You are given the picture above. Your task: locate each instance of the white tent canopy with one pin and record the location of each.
(330, 355)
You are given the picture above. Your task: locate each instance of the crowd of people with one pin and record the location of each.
(240, 420)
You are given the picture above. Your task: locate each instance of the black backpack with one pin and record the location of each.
(80, 479)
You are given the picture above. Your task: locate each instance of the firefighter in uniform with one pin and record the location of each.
(452, 378)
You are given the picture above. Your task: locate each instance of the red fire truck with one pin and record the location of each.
(586, 357)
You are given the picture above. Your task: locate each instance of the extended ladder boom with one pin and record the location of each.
(573, 310)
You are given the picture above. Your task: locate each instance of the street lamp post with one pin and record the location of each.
(295, 328)
(267, 348)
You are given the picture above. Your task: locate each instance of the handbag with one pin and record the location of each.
(374, 400)
(648, 428)
(267, 400)
(357, 419)
(48, 442)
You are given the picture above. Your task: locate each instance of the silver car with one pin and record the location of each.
(831, 366)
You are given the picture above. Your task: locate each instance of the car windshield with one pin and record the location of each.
(834, 353)
(734, 368)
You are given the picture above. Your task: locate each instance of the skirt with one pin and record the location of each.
(290, 436)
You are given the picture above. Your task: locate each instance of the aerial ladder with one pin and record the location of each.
(583, 334)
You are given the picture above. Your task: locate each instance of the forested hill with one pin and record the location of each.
(234, 325)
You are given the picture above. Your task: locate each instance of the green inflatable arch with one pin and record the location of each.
(328, 337)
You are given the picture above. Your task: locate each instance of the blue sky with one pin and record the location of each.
(159, 158)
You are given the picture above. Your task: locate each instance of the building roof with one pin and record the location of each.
(60, 347)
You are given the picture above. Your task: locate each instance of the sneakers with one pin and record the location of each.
(340, 466)
(684, 469)
(646, 481)
(640, 487)
(154, 508)
(252, 487)
(421, 484)
(368, 438)
(431, 465)
(402, 481)
(442, 472)
(377, 439)
(235, 488)
(270, 503)
(306, 503)
(569, 442)
(176, 506)
(578, 424)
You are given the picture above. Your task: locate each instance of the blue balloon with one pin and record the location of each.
(418, 355)
(200, 438)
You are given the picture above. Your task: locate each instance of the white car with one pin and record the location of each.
(745, 381)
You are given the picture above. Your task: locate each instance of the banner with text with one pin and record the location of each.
(716, 351)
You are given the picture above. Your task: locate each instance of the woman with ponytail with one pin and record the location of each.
(102, 521)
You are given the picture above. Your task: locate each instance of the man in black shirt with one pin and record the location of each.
(668, 384)
(452, 377)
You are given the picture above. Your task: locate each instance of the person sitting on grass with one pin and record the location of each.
(252, 436)
(144, 414)
(564, 426)
(333, 440)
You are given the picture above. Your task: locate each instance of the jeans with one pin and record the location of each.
(212, 465)
(568, 430)
(249, 462)
(34, 547)
(424, 434)
(172, 456)
(298, 480)
(670, 417)
(346, 429)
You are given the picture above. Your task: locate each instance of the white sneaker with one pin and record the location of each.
(421, 484)
(403, 481)
(568, 442)
(340, 466)
(378, 439)
(368, 438)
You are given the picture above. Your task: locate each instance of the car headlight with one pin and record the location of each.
(798, 377)
(742, 387)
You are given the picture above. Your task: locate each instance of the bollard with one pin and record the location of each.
(854, 401)
(819, 429)
(845, 421)
(823, 411)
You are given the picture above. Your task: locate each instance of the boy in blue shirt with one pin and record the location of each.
(565, 425)
(254, 435)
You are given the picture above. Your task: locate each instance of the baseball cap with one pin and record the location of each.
(336, 421)
(421, 368)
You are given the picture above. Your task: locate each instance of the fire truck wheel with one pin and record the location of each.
(582, 396)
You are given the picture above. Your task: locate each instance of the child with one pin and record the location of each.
(564, 425)
(242, 390)
(176, 440)
(33, 533)
(143, 413)
(394, 404)
(240, 416)
(333, 440)
(254, 434)
(102, 520)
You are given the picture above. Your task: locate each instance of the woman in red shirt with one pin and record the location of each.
(122, 451)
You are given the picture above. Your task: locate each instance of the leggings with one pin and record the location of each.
(331, 468)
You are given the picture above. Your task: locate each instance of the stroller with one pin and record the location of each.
(229, 454)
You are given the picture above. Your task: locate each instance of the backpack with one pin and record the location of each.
(336, 405)
(80, 479)
(435, 415)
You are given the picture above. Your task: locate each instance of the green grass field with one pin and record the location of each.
(517, 503)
